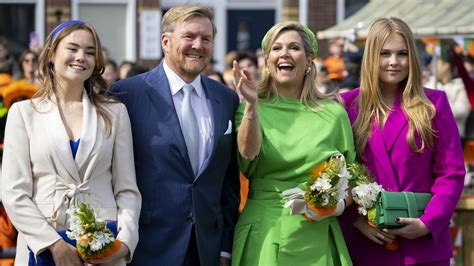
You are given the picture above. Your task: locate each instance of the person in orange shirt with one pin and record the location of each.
(335, 62)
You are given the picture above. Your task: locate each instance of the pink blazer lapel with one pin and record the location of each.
(378, 158)
(396, 122)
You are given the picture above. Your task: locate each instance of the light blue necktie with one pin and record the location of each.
(190, 128)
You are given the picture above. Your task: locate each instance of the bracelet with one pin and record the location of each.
(251, 118)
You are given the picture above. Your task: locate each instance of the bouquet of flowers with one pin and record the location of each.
(365, 191)
(94, 239)
(324, 191)
(327, 184)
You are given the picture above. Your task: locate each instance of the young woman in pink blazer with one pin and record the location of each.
(406, 135)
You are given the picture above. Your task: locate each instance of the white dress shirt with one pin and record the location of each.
(201, 109)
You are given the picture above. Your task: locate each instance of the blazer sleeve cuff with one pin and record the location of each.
(435, 227)
(40, 247)
(127, 239)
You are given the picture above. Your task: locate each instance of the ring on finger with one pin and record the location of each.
(380, 236)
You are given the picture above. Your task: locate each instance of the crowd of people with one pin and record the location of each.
(159, 151)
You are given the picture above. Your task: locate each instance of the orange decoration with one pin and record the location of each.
(244, 191)
(371, 224)
(468, 151)
(391, 246)
(7, 236)
(322, 211)
(18, 90)
(108, 252)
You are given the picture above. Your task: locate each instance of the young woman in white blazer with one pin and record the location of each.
(71, 143)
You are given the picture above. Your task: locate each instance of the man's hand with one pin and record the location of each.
(225, 261)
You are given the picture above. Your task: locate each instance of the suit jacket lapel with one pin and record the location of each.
(59, 138)
(163, 102)
(396, 122)
(88, 135)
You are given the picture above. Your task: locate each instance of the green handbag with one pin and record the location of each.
(391, 205)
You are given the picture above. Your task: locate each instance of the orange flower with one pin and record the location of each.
(317, 170)
(85, 239)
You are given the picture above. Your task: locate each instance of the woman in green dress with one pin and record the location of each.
(285, 128)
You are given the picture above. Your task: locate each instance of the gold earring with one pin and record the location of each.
(308, 70)
(267, 70)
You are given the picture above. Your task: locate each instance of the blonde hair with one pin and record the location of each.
(95, 85)
(266, 87)
(416, 105)
(181, 13)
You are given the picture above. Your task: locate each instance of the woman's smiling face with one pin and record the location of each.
(74, 58)
(288, 60)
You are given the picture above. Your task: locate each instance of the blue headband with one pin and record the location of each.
(63, 25)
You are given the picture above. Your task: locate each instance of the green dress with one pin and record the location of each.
(294, 140)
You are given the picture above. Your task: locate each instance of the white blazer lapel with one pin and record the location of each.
(88, 134)
(59, 139)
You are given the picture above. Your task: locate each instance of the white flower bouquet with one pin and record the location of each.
(94, 239)
(324, 191)
(328, 183)
(365, 191)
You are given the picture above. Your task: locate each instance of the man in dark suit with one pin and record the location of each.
(185, 149)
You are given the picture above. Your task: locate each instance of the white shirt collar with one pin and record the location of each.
(176, 83)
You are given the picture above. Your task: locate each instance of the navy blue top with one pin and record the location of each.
(74, 147)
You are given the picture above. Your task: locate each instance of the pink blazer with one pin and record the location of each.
(439, 171)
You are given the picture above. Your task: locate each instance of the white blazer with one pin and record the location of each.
(41, 179)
